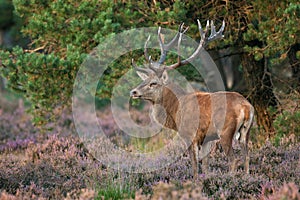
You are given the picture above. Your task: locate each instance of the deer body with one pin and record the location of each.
(200, 118)
(171, 110)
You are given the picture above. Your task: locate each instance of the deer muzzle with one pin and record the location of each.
(135, 94)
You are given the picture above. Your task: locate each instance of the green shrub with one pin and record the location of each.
(116, 191)
(287, 125)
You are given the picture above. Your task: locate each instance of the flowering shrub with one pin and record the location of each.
(16, 129)
(170, 191)
(287, 127)
(57, 165)
(287, 191)
(44, 169)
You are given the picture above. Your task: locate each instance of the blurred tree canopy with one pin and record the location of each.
(62, 33)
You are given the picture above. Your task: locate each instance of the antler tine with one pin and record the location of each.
(203, 42)
(166, 47)
(207, 25)
(178, 50)
(133, 63)
(160, 40)
(150, 65)
(216, 35)
(192, 57)
(147, 57)
(212, 28)
(200, 28)
(179, 42)
(145, 70)
(175, 39)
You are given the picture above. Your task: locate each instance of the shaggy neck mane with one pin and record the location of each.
(170, 102)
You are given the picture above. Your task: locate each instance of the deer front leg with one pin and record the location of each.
(228, 150)
(193, 151)
(226, 143)
(204, 155)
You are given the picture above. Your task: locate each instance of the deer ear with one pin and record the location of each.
(165, 77)
(142, 75)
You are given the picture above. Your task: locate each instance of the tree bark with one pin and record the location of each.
(228, 61)
(295, 64)
(261, 94)
(2, 86)
(1, 37)
(1, 79)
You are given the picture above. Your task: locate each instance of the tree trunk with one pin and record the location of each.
(228, 61)
(295, 64)
(261, 94)
(1, 37)
(1, 79)
(2, 84)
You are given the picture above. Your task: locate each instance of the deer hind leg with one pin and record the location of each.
(193, 151)
(245, 157)
(244, 138)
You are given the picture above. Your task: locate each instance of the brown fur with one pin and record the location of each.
(201, 123)
(200, 118)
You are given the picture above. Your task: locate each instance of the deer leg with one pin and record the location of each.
(246, 157)
(204, 155)
(193, 151)
(205, 165)
(227, 148)
(244, 143)
(226, 143)
(233, 161)
(244, 139)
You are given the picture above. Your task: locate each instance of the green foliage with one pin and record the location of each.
(287, 124)
(115, 191)
(45, 79)
(276, 26)
(63, 33)
(298, 55)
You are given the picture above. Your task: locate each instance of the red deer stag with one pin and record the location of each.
(201, 118)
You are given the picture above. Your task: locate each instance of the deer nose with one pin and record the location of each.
(133, 93)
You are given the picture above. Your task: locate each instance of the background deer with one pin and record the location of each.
(200, 118)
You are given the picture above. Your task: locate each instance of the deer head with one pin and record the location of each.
(155, 76)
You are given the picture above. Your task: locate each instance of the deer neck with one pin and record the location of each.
(165, 110)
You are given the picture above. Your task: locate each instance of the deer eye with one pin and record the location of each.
(153, 84)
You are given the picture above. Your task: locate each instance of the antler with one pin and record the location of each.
(147, 57)
(164, 47)
(214, 35)
(203, 42)
(145, 70)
